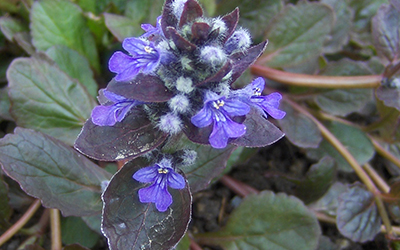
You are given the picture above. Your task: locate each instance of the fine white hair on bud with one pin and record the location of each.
(223, 89)
(213, 56)
(179, 104)
(240, 40)
(220, 25)
(177, 7)
(189, 157)
(170, 123)
(184, 84)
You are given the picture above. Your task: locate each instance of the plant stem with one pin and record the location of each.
(21, 222)
(381, 183)
(385, 153)
(331, 138)
(238, 187)
(56, 243)
(317, 81)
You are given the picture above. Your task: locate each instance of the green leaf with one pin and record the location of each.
(46, 99)
(74, 230)
(329, 203)
(144, 11)
(130, 224)
(317, 181)
(184, 244)
(363, 13)
(385, 33)
(5, 105)
(353, 139)
(5, 208)
(357, 215)
(53, 172)
(298, 33)
(94, 221)
(210, 6)
(75, 65)
(121, 26)
(342, 102)
(340, 32)
(60, 22)
(11, 26)
(255, 15)
(299, 129)
(267, 221)
(75, 247)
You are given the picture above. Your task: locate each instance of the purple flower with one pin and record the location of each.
(268, 104)
(144, 56)
(161, 175)
(219, 111)
(108, 115)
(151, 30)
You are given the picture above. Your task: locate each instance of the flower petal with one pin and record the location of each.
(104, 115)
(203, 118)
(234, 107)
(270, 104)
(163, 199)
(218, 137)
(128, 74)
(175, 180)
(147, 174)
(113, 97)
(258, 83)
(134, 45)
(120, 62)
(148, 194)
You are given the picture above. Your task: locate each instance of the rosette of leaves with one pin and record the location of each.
(188, 39)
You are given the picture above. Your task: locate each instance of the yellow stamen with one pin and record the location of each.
(148, 49)
(218, 104)
(163, 171)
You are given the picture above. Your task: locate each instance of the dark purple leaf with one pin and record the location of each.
(299, 129)
(390, 96)
(259, 131)
(200, 32)
(168, 19)
(130, 224)
(145, 88)
(191, 11)
(181, 43)
(231, 20)
(132, 137)
(357, 215)
(53, 172)
(195, 134)
(217, 77)
(243, 60)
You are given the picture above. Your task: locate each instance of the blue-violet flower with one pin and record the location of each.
(268, 104)
(151, 30)
(219, 110)
(161, 175)
(144, 57)
(108, 115)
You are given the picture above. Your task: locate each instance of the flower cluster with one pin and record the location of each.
(178, 74)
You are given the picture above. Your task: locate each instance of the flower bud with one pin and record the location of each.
(170, 123)
(184, 85)
(240, 40)
(179, 104)
(213, 56)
